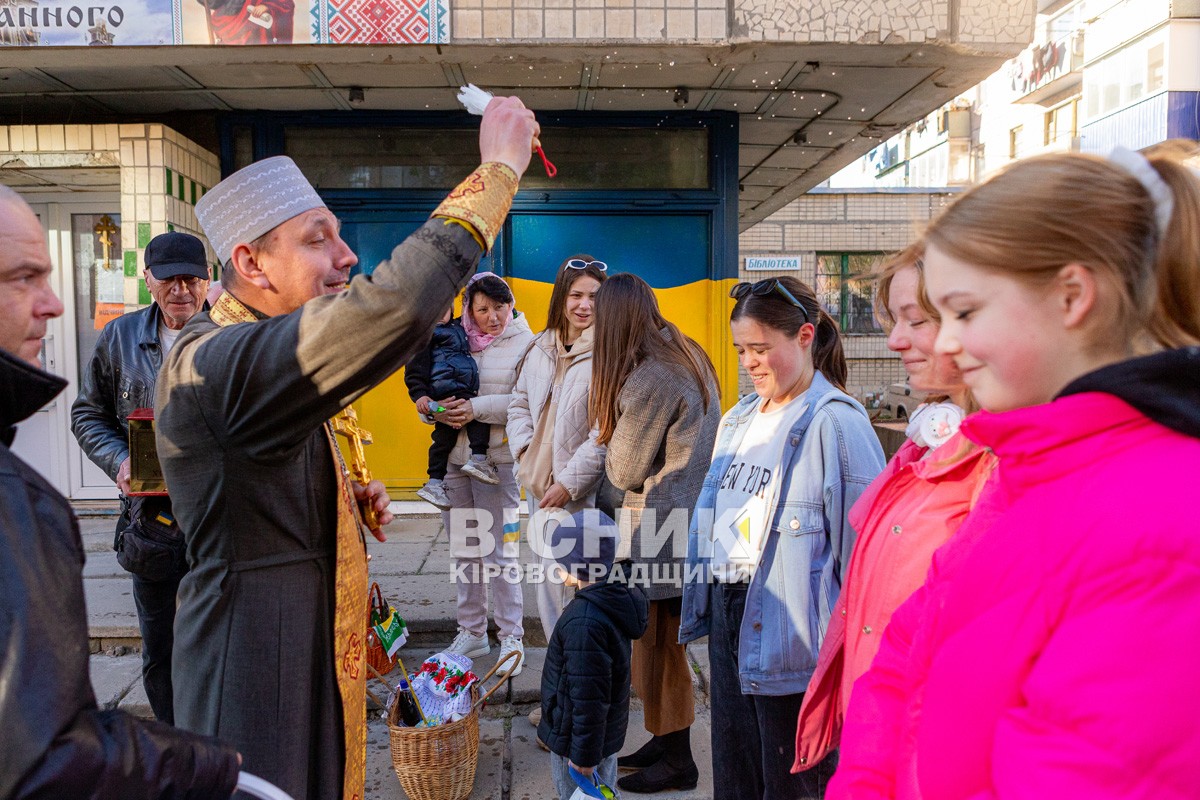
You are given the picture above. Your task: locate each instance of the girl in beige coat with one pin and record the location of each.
(559, 462)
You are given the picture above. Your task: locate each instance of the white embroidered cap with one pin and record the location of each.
(252, 201)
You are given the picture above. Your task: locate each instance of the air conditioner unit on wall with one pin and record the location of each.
(958, 124)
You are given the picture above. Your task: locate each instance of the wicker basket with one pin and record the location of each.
(439, 763)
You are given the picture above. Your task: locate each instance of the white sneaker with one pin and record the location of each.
(435, 494)
(507, 645)
(482, 471)
(469, 645)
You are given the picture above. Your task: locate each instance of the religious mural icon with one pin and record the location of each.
(244, 21)
(123, 23)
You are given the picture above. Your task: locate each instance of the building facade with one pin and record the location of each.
(1097, 75)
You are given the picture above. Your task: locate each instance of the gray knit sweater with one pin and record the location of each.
(659, 453)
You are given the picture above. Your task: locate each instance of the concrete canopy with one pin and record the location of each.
(806, 109)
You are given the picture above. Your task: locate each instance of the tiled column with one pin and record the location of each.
(163, 174)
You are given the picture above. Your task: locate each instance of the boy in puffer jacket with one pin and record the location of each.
(446, 370)
(585, 681)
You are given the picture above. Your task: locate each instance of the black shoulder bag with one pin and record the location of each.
(152, 545)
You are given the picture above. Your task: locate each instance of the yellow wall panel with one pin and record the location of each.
(399, 455)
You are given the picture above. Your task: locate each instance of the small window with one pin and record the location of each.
(1014, 141)
(1155, 69)
(845, 290)
(243, 148)
(1061, 122)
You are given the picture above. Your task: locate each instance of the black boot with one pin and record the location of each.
(675, 770)
(646, 755)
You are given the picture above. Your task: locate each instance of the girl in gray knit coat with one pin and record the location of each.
(656, 403)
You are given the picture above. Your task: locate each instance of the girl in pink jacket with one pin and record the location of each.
(1051, 652)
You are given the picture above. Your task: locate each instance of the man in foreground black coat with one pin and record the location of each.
(57, 743)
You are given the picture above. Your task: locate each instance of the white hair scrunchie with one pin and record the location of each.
(1139, 167)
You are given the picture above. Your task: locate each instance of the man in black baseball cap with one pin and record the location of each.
(121, 377)
(177, 276)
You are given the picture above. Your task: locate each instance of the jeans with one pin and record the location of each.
(565, 784)
(155, 601)
(753, 736)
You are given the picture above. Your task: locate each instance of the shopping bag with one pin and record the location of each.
(589, 787)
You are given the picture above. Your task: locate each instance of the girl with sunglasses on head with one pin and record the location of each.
(1050, 651)
(558, 460)
(769, 540)
(916, 504)
(656, 402)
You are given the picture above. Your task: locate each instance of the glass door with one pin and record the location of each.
(90, 237)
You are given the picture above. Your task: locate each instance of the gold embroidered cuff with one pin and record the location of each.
(482, 201)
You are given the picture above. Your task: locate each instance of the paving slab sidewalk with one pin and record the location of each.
(414, 570)
(511, 765)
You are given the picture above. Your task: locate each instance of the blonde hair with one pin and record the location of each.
(1038, 215)
(912, 256)
(886, 271)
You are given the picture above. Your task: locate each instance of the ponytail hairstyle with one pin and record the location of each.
(629, 330)
(1175, 315)
(556, 319)
(774, 311)
(1038, 215)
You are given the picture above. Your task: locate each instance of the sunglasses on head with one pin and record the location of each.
(579, 263)
(766, 287)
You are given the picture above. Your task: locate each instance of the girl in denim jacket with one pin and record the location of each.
(769, 542)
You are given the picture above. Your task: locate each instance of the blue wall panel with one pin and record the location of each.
(665, 250)
(1183, 115)
(1135, 127)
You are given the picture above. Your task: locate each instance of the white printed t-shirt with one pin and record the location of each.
(747, 487)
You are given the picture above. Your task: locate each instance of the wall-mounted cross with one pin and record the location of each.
(104, 229)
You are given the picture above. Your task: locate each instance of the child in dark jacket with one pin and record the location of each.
(447, 370)
(585, 681)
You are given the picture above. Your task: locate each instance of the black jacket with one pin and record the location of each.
(445, 368)
(57, 743)
(1164, 386)
(585, 681)
(119, 378)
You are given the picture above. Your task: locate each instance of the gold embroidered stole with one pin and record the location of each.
(351, 603)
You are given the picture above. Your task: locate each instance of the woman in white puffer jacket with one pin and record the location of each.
(499, 337)
(554, 445)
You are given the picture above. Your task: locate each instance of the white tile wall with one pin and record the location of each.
(144, 153)
(862, 222)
